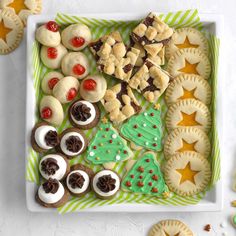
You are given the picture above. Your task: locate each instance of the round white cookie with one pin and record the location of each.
(75, 64)
(52, 56)
(76, 36)
(51, 110)
(187, 86)
(66, 89)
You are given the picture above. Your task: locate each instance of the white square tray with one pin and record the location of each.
(212, 201)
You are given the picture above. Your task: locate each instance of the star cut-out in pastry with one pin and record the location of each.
(189, 68)
(18, 5)
(186, 44)
(188, 94)
(4, 31)
(166, 234)
(187, 174)
(188, 119)
(187, 146)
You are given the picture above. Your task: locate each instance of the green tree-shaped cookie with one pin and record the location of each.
(107, 146)
(145, 129)
(145, 177)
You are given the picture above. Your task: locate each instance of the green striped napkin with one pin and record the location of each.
(99, 27)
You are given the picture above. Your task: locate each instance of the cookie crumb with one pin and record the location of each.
(207, 227)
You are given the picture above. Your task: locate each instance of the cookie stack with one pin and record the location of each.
(188, 118)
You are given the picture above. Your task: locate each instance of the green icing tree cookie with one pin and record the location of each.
(145, 129)
(107, 146)
(145, 177)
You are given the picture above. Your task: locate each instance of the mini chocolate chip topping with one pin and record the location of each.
(76, 180)
(49, 166)
(81, 112)
(51, 186)
(148, 21)
(96, 45)
(151, 87)
(123, 91)
(127, 68)
(148, 64)
(51, 138)
(73, 144)
(106, 183)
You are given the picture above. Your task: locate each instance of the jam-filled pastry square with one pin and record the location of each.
(150, 80)
(120, 102)
(113, 57)
(152, 30)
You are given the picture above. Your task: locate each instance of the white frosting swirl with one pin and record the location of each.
(50, 198)
(84, 187)
(40, 134)
(102, 173)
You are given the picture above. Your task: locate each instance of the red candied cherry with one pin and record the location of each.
(71, 94)
(77, 41)
(78, 69)
(46, 113)
(89, 84)
(52, 26)
(52, 82)
(52, 53)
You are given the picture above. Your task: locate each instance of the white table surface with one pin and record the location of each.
(14, 216)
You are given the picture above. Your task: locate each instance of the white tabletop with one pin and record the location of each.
(16, 219)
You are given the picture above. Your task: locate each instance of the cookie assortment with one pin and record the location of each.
(127, 72)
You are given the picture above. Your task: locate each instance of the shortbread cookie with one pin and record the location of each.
(23, 8)
(11, 31)
(75, 64)
(150, 80)
(187, 173)
(145, 129)
(93, 88)
(170, 228)
(55, 166)
(76, 36)
(120, 102)
(48, 34)
(152, 30)
(112, 56)
(187, 86)
(188, 112)
(186, 38)
(79, 179)
(83, 114)
(51, 110)
(187, 139)
(44, 137)
(106, 184)
(144, 177)
(52, 194)
(52, 56)
(189, 61)
(107, 146)
(66, 89)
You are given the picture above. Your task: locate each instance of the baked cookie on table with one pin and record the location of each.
(52, 194)
(188, 112)
(83, 114)
(75, 37)
(44, 137)
(75, 64)
(23, 8)
(106, 184)
(11, 31)
(187, 173)
(187, 86)
(78, 181)
(93, 88)
(189, 61)
(185, 139)
(55, 166)
(120, 102)
(150, 80)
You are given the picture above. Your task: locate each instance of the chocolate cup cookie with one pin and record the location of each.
(72, 142)
(83, 114)
(44, 137)
(79, 179)
(54, 194)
